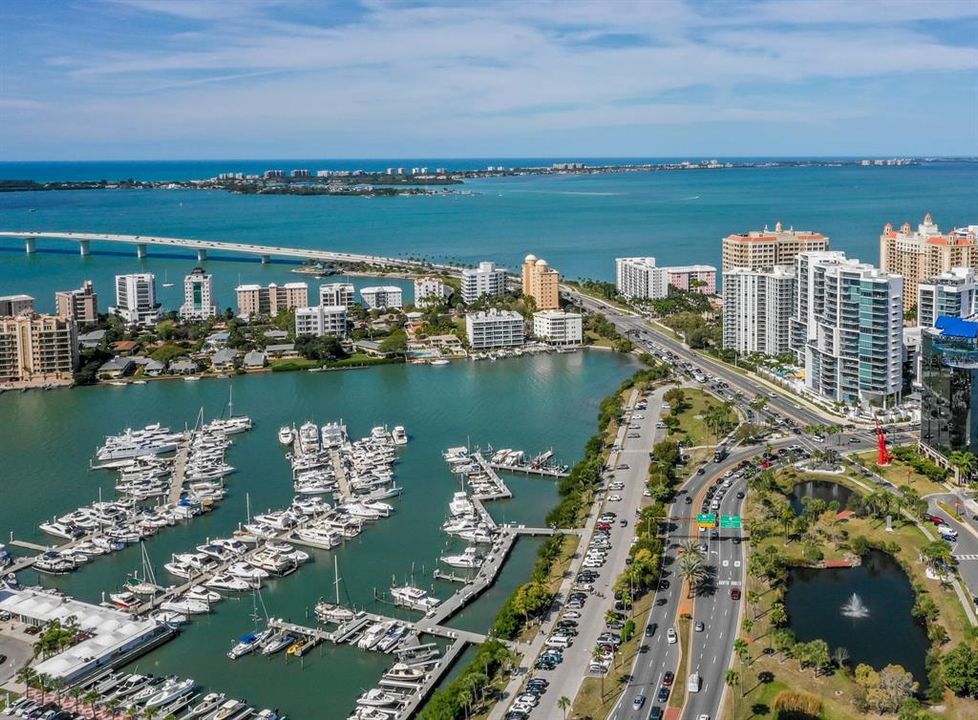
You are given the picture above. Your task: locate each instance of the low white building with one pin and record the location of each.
(558, 327)
(382, 297)
(495, 329)
(113, 635)
(430, 290)
(333, 294)
(321, 320)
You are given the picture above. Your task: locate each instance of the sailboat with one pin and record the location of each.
(145, 585)
(334, 612)
(253, 640)
(166, 281)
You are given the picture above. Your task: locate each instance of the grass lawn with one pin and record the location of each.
(598, 340)
(590, 703)
(697, 456)
(900, 473)
(290, 364)
(692, 429)
(678, 695)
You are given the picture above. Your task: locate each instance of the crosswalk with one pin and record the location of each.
(972, 556)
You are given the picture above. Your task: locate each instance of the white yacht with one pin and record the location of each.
(226, 581)
(286, 435)
(186, 606)
(461, 505)
(414, 598)
(168, 617)
(170, 691)
(377, 698)
(199, 592)
(209, 703)
(479, 535)
(308, 437)
(403, 671)
(277, 642)
(373, 634)
(228, 710)
(333, 613)
(247, 571)
(5, 558)
(54, 563)
(247, 644)
(470, 558)
(400, 435)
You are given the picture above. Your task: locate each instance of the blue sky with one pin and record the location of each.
(174, 79)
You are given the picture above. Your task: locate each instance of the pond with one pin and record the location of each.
(875, 627)
(821, 490)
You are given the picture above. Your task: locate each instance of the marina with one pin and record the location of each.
(369, 559)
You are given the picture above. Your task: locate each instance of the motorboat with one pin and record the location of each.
(186, 606)
(399, 435)
(391, 638)
(373, 634)
(438, 362)
(246, 644)
(169, 617)
(209, 703)
(228, 710)
(272, 563)
(470, 558)
(414, 598)
(277, 642)
(62, 529)
(125, 600)
(320, 537)
(309, 506)
(285, 435)
(267, 714)
(247, 571)
(235, 546)
(403, 671)
(377, 698)
(308, 437)
(131, 684)
(145, 692)
(198, 592)
(479, 535)
(54, 563)
(369, 713)
(171, 690)
(5, 558)
(226, 581)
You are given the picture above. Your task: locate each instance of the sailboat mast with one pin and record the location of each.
(336, 573)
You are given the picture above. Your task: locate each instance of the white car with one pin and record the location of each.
(671, 636)
(614, 498)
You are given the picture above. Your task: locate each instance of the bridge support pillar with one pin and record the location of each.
(84, 248)
(265, 259)
(201, 255)
(30, 245)
(141, 251)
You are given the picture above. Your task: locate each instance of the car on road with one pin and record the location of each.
(735, 593)
(671, 636)
(655, 713)
(740, 495)
(650, 629)
(936, 519)
(614, 498)
(663, 694)
(699, 626)
(668, 678)
(622, 466)
(689, 500)
(638, 702)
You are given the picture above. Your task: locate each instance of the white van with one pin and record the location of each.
(558, 641)
(693, 683)
(947, 532)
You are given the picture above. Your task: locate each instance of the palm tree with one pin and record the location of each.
(777, 614)
(692, 570)
(965, 462)
(28, 676)
(731, 678)
(563, 702)
(43, 684)
(742, 650)
(91, 697)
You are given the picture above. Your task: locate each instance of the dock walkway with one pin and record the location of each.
(444, 664)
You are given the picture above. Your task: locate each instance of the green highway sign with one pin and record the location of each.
(706, 520)
(730, 521)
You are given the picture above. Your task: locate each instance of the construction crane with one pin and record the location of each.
(883, 455)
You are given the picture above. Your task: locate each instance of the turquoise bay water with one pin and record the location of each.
(532, 403)
(579, 223)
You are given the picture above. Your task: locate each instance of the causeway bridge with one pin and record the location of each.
(263, 252)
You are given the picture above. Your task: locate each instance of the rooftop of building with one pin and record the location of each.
(110, 629)
(556, 314)
(955, 327)
(380, 288)
(16, 298)
(688, 268)
(930, 233)
(767, 235)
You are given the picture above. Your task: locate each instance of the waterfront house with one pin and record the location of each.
(217, 340)
(224, 359)
(125, 347)
(254, 360)
(115, 368)
(276, 335)
(280, 350)
(150, 367)
(372, 349)
(91, 340)
(183, 366)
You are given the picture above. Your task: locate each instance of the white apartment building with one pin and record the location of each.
(847, 329)
(337, 294)
(487, 279)
(198, 296)
(321, 320)
(757, 308)
(558, 327)
(135, 299)
(951, 293)
(382, 297)
(494, 329)
(638, 277)
(428, 290)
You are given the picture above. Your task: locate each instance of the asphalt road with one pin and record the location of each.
(567, 678)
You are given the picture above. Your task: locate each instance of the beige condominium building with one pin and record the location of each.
(763, 249)
(80, 305)
(270, 299)
(925, 253)
(37, 348)
(542, 283)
